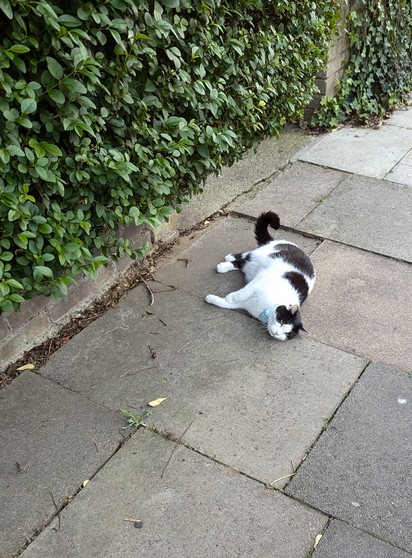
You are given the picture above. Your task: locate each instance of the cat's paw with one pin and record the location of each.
(211, 299)
(224, 267)
(230, 258)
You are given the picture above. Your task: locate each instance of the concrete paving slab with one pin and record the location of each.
(197, 508)
(360, 304)
(293, 193)
(361, 151)
(192, 264)
(359, 470)
(402, 118)
(258, 403)
(51, 441)
(343, 541)
(366, 212)
(402, 173)
(270, 157)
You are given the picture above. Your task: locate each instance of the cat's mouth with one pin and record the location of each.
(278, 336)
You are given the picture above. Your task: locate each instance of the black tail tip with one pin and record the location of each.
(270, 218)
(261, 228)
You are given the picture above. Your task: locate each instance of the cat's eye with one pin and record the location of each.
(281, 322)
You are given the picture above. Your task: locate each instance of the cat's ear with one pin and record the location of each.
(293, 308)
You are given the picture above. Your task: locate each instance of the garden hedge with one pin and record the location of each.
(113, 112)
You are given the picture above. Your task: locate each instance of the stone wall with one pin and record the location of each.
(327, 80)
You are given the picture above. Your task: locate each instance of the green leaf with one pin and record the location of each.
(74, 86)
(6, 305)
(15, 284)
(68, 21)
(19, 49)
(6, 256)
(54, 67)
(6, 8)
(50, 148)
(28, 105)
(57, 96)
(43, 271)
(16, 298)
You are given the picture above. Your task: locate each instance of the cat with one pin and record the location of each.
(279, 277)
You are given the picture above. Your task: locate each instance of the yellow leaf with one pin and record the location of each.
(317, 540)
(28, 366)
(85, 482)
(157, 402)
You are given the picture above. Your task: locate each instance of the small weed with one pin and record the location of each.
(135, 420)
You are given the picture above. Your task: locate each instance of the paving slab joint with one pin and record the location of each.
(261, 184)
(179, 441)
(70, 497)
(323, 198)
(327, 424)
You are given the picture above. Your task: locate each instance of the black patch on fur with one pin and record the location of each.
(240, 260)
(296, 257)
(299, 283)
(261, 228)
(285, 317)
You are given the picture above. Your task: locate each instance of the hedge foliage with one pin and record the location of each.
(113, 112)
(379, 73)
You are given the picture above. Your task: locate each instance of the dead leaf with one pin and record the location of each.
(85, 482)
(157, 402)
(317, 540)
(28, 366)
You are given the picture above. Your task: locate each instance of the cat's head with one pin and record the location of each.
(285, 323)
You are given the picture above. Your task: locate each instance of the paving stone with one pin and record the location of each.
(368, 213)
(192, 265)
(402, 174)
(360, 303)
(197, 508)
(359, 470)
(401, 118)
(272, 155)
(293, 193)
(343, 541)
(258, 403)
(51, 441)
(361, 151)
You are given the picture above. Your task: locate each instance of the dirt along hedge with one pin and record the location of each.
(114, 112)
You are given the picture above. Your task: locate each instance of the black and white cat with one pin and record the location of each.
(279, 277)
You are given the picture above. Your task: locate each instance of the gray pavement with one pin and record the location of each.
(260, 448)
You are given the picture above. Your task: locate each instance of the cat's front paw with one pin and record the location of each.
(212, 299)
(230, 258)
(224, 267)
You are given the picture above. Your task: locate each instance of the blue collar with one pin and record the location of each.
(264, 316)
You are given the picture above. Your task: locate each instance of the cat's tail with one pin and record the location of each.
(261, 228)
